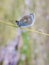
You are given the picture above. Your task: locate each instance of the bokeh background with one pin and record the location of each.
(35, 45)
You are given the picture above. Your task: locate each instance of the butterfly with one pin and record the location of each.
(26, 21)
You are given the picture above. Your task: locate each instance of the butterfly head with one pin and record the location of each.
(18, 23)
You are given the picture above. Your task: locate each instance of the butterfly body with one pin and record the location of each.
(26, 21)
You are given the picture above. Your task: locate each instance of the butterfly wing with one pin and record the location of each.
(26, 21)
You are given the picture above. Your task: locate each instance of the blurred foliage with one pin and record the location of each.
(11, 10)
